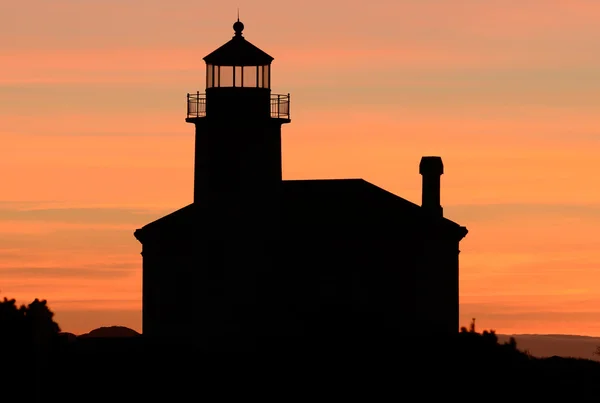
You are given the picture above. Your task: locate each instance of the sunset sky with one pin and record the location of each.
(93, 141)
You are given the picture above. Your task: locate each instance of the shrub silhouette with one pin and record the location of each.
(484, 348)
(27, 326)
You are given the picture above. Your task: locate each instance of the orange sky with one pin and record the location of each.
(94, 142)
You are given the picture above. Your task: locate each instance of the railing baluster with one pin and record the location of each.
(197, 104)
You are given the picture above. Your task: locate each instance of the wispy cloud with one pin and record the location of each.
(101, 271)
(82, 215)
(493, 212)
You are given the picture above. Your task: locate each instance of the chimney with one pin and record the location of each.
(432, 169)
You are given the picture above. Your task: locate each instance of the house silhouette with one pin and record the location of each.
(257, 261)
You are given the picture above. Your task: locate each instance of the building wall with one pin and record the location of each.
(168, 293)
(150, 289)
(437, 282)
(244, 293)
(205, 290)
(354, 285)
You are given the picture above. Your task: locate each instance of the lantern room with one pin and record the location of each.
(238, 63)
(238, 80)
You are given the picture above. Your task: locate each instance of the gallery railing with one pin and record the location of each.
(279, 105)
(196, 105)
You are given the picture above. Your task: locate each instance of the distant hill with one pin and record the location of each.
(69, 336)
(110, 331)
(538, 345)
(562, 345)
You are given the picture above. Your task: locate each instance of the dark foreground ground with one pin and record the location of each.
(474, 367)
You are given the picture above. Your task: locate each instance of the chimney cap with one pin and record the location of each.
(431, 166)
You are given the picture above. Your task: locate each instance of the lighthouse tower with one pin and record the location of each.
(237, 173)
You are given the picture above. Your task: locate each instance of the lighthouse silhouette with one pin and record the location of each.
(256, 262)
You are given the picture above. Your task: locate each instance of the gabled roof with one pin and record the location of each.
(324, 206)
(238, 52)
(347, 206)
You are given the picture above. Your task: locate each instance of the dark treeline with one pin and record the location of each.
(40, 364)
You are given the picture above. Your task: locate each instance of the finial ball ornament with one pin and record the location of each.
(238, 27)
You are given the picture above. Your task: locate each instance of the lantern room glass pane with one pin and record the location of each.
(265, 81)
(225, 76)
(250, 76)
(238, 77)
(209, 76)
